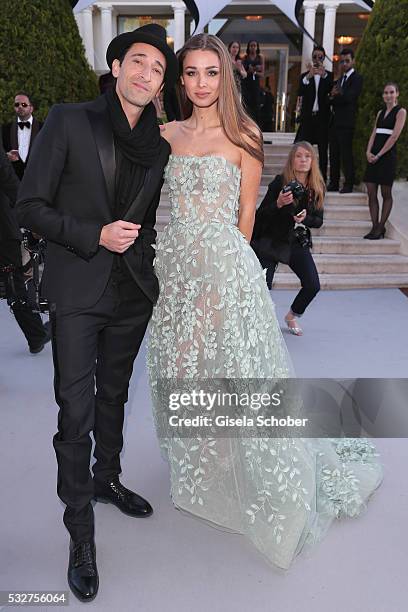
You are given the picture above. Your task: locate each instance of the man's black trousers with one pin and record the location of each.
(341, 155)
(30, 323)
(315, 130)
(93, 352)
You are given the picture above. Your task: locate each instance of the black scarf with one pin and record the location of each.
(142, 144)
(138, 149)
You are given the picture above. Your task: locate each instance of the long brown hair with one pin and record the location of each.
(315, 180)
(234, 120)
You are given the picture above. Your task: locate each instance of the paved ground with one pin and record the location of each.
(174, 563)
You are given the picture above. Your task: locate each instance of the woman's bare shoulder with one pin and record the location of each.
(171, 130)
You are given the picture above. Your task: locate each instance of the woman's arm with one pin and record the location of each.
(261, 72)
(314, 217)
(241, 69)
(399, 124)
(370, 143)
(251, 172)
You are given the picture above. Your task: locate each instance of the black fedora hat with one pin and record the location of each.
(151, 34)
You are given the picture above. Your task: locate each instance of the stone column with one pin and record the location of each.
(87, 34)
(78, 19)
(309, 23)
(329, 29)
(106, 29)
(179, 9)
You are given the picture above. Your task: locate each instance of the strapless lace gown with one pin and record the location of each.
(215, 319)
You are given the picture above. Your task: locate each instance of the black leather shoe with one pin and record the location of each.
(128, 502)
(47, 338)
(83, 579)
(332, 187)
(346, 189)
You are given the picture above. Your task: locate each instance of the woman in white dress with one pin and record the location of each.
(215, 319)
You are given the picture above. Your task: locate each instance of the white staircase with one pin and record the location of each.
(343, 258)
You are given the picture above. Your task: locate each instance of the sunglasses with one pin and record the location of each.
(318, 57)
(23, 104)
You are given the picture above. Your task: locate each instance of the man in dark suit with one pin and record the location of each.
(314, 89)
(37, 335)
(344, 99)
(94, 199)
(19, 135)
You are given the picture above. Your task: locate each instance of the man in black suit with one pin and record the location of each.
(94, 199)
(344, 99)
(314, 89)
(37, 335)
(19, 135)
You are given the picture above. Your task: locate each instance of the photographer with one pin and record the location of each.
(292, 205)
(11, 267)
(313, 102)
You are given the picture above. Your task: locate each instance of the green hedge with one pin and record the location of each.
(41, 52)
(382, 56)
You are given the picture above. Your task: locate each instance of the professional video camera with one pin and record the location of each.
(36, 249)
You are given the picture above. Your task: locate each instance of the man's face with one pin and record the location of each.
(346, 63)
(140, 76)
(318, 57)
(23, 107)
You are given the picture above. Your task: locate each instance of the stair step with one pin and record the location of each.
(357, 246)
(357, 198)
(334, 228)
(283, 280)
(352, 213)
(339, 229)
(358, 264)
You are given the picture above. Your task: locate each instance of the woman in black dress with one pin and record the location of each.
(382, 159)
(281, 236)
(254, 65)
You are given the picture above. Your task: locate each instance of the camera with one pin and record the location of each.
(36, 247)
(298, 191)
(8, 278)
(302, 234)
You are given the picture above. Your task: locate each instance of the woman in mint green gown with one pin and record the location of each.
(215, 319)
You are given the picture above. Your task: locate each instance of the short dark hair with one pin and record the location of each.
(24, 93)
(319, 48)
(347, 51)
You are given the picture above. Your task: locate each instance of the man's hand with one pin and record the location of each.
(119, 236)
(336, 91)
(13, 155)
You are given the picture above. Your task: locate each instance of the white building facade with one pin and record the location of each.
(333, 23)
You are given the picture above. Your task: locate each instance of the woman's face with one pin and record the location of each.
(390, 94)
(234, 49)
(302, 160)
(201, 77)
(253, 46)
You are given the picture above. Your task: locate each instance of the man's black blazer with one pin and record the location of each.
(67, 196)
(9, 229)
(10, 141)
(308, 94)
(345, 105)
